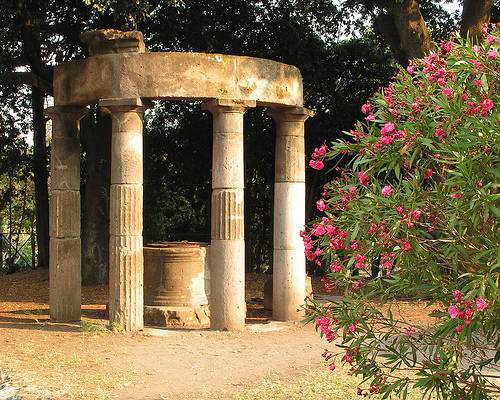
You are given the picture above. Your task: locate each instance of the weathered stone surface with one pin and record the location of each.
(176, 76)
(126, 209)
(227, 214)
(194, 317)
(126, 271)
(110, 41)
(65, 279)
(64, 213)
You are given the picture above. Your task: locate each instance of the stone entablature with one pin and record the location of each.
(158, 76)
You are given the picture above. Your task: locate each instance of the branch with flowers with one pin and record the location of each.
(413, 214)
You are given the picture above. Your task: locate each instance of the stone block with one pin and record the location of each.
(126, 157)
(290, 159)
(177, 317)
(125, 211)
(65, 280)
(126, 274)
(64, 213)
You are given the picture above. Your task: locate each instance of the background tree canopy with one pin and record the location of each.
(343, 55)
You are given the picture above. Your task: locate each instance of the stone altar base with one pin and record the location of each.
(190, 317)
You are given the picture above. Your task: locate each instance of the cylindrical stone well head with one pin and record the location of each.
(175, 274)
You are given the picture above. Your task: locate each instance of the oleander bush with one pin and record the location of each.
(413, 214)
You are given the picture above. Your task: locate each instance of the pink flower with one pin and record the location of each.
(363, 179)
(335, 267)
(351, 328)
(332, 367)
(359, 260)
(459, 328)
(476, 50)
(316, 164)
(491, 39)
(387, 191)
(405, 245)
(481, 304)
(415, 214)
(400, 210)
(486, 105)
(428, 173)
(366, 108)
(370, 117)
(446, 47)
(410, 69)
(409, 331)
(447, 92)
(321, 205)
(454, 312)
(441, 82)
(440, 134)
(387, 128)
(352, 189)
(457, 296)
(354, 245)
(492, 54)
(455, 196)
(347, 357)
(320, 152)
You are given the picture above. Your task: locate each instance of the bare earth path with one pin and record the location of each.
(66, 361)
(44, 361)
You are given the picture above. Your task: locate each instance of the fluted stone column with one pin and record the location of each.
(289, 273)
(227, 250)
(64, 214)
(126, 263)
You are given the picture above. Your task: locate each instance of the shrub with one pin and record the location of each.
(417, 207)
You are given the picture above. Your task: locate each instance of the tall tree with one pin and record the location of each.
(407, 26)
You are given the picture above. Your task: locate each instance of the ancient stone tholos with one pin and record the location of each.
(121, 76)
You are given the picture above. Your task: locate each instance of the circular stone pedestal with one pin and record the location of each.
(176, 285)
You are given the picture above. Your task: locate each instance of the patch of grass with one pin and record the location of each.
(313, 384)
(88, 326)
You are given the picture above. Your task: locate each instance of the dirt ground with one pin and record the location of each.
(46, 361)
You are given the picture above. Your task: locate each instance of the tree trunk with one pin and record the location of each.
(404, 30)
(96, 140)
(40, 172)
(475, 13)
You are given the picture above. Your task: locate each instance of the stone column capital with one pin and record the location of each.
(216, 106)
(66, 113)
(133, 104)
(290, 114)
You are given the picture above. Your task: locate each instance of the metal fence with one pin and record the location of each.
(17, 251)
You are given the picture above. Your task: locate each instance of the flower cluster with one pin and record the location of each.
(464, 310)
(317, 158)
(323, 323)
